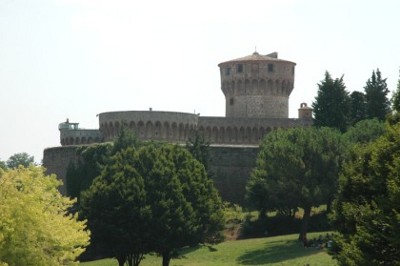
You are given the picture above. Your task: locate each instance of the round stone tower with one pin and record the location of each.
(257, 86)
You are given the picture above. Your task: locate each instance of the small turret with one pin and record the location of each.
(68, 126)
(305, 112)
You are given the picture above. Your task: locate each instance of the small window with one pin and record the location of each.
(240, 68)
(270, 67)
(231, 101)
(227, 71)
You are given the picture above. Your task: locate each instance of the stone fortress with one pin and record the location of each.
(256, 88)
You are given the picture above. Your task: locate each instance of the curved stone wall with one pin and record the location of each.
(56, 161)
(149, 125)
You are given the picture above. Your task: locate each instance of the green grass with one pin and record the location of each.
(280, 250)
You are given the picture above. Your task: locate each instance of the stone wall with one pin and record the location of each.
(243, 131)
(229, 167)
(150, 125)
(56, 161)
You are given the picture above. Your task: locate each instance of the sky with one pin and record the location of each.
(75, 59)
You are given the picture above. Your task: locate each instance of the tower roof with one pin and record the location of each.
(257, 57)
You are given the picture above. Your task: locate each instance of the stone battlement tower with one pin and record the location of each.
(257, 86)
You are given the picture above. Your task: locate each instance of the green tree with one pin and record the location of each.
(18, 159)
(366, 211)
(377, 102)
(396, 98)
(296, 168)
(80, 175)
(331, 106)
(125, 139)
(115, 206)
(357, 107)
(154, 197)
(3, 165)
(199, 148)
(35, 225)
(185, 205)
(365, 131)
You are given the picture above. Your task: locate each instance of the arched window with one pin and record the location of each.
(149, 130)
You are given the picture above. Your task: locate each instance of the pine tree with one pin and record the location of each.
(377, 102)
(331, 106)
(396, 98)
(357, 107)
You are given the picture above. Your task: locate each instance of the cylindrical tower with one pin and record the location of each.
(257, 86)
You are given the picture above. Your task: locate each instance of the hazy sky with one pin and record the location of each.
(76, 58)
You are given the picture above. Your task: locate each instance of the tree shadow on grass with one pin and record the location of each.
(181, 253)
(276, 252)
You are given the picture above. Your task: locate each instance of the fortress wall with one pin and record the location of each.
(229, 167)
(243, 131)
(150, 125)
(56, 161)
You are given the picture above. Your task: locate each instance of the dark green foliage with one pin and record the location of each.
(156, 197)
(282, 225)
(80, 176)
(332, 104)
(92, 158)
(376, 97)
(366, 212)
(296, 168)
(117, 211)
(357, 107)
(125, 139)
(199, 148)
(365, 131)
(396, 98)
(18, 159)
(186, 207)
(3, 165)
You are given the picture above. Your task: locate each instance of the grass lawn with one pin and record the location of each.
(279, 250)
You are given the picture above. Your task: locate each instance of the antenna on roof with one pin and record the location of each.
(255, 50)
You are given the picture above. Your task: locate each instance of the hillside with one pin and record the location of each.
(280, 250)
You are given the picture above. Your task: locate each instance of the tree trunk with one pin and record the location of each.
(262, 214)
(166, 257)
(304, 225)
(121, 260)
(329, 205)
